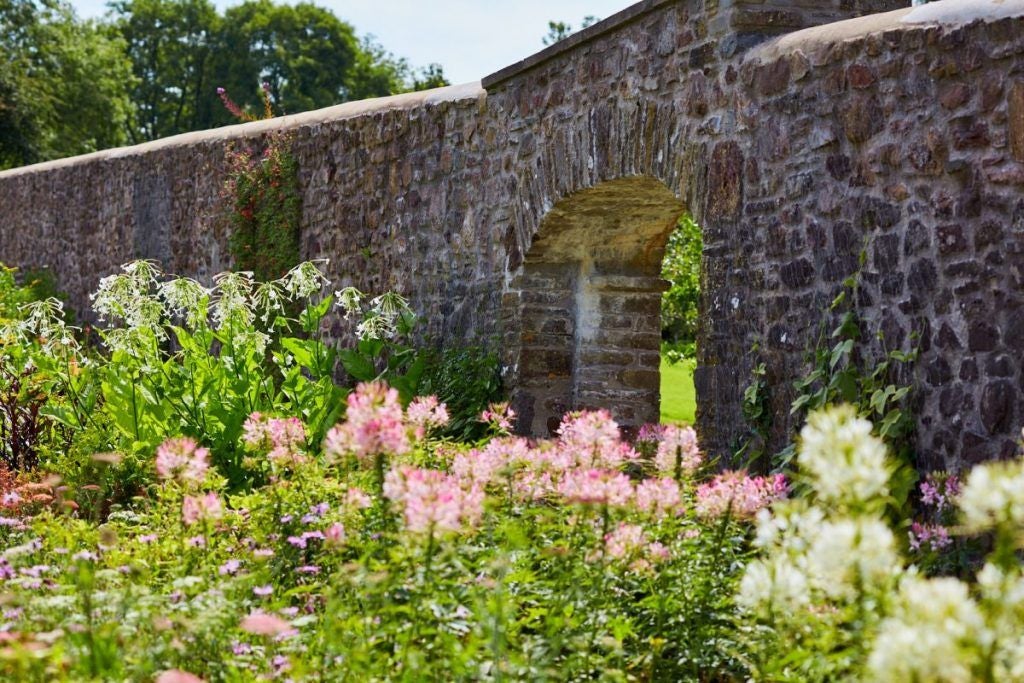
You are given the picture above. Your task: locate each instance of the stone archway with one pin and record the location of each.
(588, 298)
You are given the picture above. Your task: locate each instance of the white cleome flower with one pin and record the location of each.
(932, 636)
(774, 584)
(848, 554)
(846, 462)
(993, 495)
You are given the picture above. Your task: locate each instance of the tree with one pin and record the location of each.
(65, 86)
(682, 264)
(560, 30)
(182, 50)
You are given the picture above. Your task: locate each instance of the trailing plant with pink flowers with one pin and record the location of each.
(262, 188)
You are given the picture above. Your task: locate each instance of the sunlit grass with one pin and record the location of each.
(678, 399)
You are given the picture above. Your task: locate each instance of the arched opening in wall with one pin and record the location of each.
(680, 318)
(586, 306)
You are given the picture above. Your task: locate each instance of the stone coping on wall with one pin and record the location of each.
(348, 110)
(613, 22)
(946, 13)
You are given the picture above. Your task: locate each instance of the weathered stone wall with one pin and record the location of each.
(539, 209)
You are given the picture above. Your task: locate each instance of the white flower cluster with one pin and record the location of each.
(993, 496)
(845, 461)
(128, 297)
(380, 319)
(144, 305)
(832, 554)
(813, 559)
(44, 321)
(933, 634)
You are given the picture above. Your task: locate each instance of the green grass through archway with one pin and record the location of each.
(678, 398)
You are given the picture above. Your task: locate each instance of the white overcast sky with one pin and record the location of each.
(469, 38)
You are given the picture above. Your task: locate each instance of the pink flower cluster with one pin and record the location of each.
(583, 466)
(659, 497)
(940, 490)
(740, 495)
(500, 416)
(182, 460)
(592, 439)
(432, 501)
(924, 537)
(374, 425)
(678, 453)
(201, 508)
(629, 542)
(425, 414)
(283, 439)
(596, 487)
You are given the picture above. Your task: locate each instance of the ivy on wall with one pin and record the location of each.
(266, 205)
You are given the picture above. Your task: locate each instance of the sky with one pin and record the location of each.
(469, 38)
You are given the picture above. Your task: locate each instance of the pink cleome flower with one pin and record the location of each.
(433, 501)
(629, 543)
(678, 450)
(197, 508)
(426, 413)
(182, 460)
(660, 497)
(480, 467)
(177, 676)
(284, 439)
(373, 426)
(500, 416)
(739, 495)
(592, 439)
(596, 487)
(263, 624)
(335, 535)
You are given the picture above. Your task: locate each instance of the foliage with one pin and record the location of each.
(560, 30)
(64, 88)
(263, 188)
(465, 564)
(680, 305)
(309, 58)
(843, 370)
(467, 379)
(201, 506)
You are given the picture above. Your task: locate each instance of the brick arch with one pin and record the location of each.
(586, 301)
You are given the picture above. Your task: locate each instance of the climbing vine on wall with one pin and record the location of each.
(266, 206)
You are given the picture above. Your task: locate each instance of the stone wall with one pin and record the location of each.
(534, 211)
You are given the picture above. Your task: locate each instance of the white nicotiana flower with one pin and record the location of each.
(185, 297)
(144, 272)
(375, 326)
(993, 495)
(268, 300)
(775, 584)
(932, 635)
(44, 320)
(350, 300)
(846, 462)
(305, 279)
(232, 305)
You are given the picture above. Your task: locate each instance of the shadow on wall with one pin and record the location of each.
(588, 302)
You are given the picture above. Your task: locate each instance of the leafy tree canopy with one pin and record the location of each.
(65, 84)
(152, 68)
